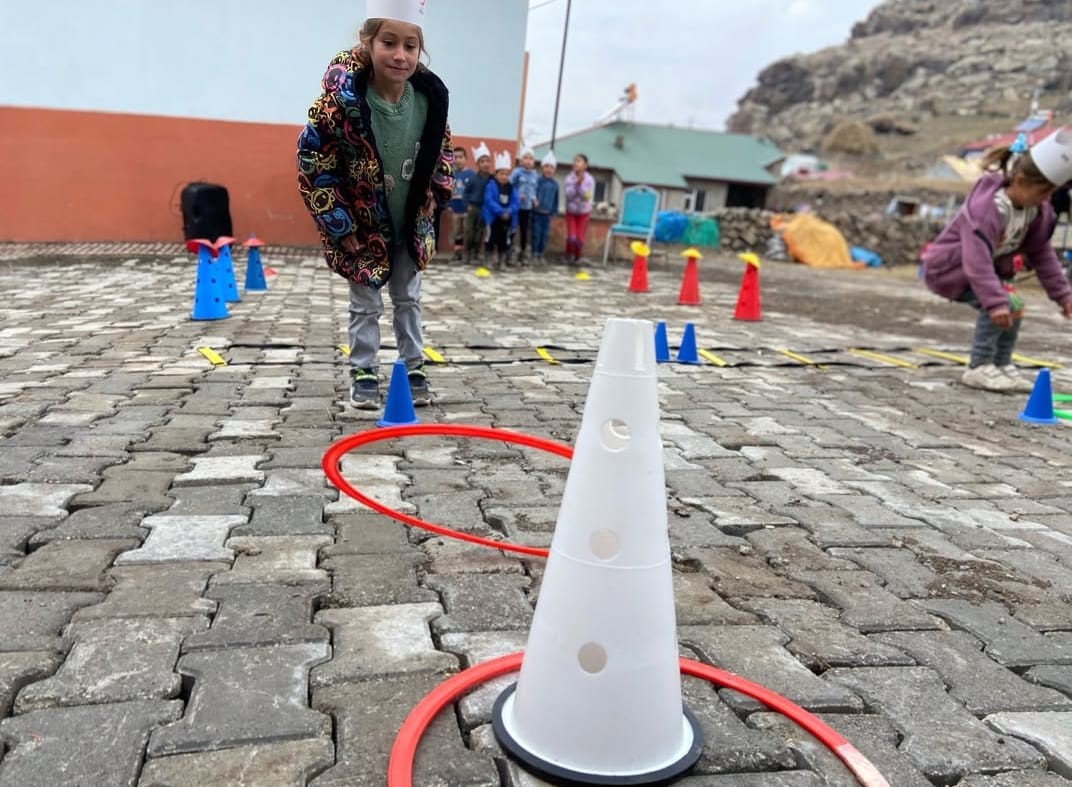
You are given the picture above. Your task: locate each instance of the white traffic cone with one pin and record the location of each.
(598, 700)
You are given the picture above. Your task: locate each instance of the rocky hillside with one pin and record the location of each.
(920, 74)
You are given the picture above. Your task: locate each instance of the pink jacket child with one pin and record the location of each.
(972, 260)
(579, 188)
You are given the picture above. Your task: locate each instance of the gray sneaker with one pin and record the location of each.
(365, 389)
(988, 377)
(1020, 383)
(418, 387)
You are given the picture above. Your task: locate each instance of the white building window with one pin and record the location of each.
(694, 201)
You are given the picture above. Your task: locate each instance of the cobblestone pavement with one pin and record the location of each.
(184, 600)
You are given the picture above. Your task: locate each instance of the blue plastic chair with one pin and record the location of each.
(637, 220)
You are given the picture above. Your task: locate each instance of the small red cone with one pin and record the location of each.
(639, 280)
(690, 282)
(748, 307)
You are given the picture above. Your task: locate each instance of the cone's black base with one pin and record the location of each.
(565, 776)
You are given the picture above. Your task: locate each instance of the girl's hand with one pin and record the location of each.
(1001, 317)
(1066, 309)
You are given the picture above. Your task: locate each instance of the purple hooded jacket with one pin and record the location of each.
(962, 255)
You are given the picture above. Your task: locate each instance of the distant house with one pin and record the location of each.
(693, 170)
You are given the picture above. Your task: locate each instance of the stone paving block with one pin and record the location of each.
(15, 463)
(758, 654)
(123, 484)
(296, 483)
(223, 470)
(39, 436)
(873, 736)
(1007, 640)
(901, 571)
(820, 640)
(210, 500)
(865, 604)
(481, 602)
(736, 575)
(1051, 732)
(940, 736)
(832, 526)
(379, 642)
(69, 469)
(970, 676)
(16, 531)
(373, 580)
(377, 476)
(367, 716)
(474, 648)
(1016, 779)
(1056, 677)
(19, 669)
(117, 520)
(287, 764)
(285, 516)
(369, 534)
(67, 565)
(164, 590)
(1036, 565)
(174, 538)
(773, 779)
(33, 620)
(76, 747)
(43, 500)
(282, 560)
(737, 515)
(253, 615)
(118, 660)
(451, 556)
(176, 439)
(697, 604)
(236, 429)
(245, 696)
(285, 455)
(783, 547)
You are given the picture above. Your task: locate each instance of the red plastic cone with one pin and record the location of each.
(690, 282)
(748, 307)
(639, 280)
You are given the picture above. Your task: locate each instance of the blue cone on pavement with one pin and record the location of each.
(399, 408)
(254, 269)
(1039, 408)
(209, 301)
(662, 345)
(687, 352)
(230, 285)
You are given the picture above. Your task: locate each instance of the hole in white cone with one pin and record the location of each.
(592, 658)
(605, 544)
(615, 435)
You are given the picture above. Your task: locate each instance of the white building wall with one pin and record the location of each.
(244, 60)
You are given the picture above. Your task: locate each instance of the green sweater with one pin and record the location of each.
(397, 129)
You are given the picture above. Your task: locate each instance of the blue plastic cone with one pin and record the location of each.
(230, 286)
(399, 409)
(1039, 407)
(662, 346)
(687, 352)
(209, 303)
(254, 270)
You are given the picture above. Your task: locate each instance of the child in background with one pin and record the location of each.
(579, 190)
(1008, 213)
(544, 206)
(462, 176)
(473, 194)
(500, 209)
(373, 162)
(523, 179)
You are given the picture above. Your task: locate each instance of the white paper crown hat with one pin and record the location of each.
(1053, 156)
(481, 150)
(503, 160)
(409, 11)
(550, 159)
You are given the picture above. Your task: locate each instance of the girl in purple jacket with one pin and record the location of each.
(1008, 213)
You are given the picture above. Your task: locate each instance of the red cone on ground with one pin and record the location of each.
(690, 282)
(748, 307)
(639, 280)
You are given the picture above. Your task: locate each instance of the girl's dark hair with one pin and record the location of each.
(582, 155)
(998, 160)
(368, 32)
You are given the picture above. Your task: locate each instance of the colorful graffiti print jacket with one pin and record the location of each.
(340, 174)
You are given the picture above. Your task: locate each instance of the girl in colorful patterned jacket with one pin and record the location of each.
(373, 163)
(1008, 213)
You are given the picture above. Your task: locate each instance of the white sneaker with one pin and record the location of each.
(988, 378)
(1020, 383)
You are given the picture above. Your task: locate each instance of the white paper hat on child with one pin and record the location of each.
(550, 159)
(409, 11)
(481, 150)
(1053, 156)
(503, 160)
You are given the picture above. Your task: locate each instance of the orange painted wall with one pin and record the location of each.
(95, 176)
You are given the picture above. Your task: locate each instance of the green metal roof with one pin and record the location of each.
(665, 156)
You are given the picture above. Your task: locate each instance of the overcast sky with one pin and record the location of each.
(691, 59)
